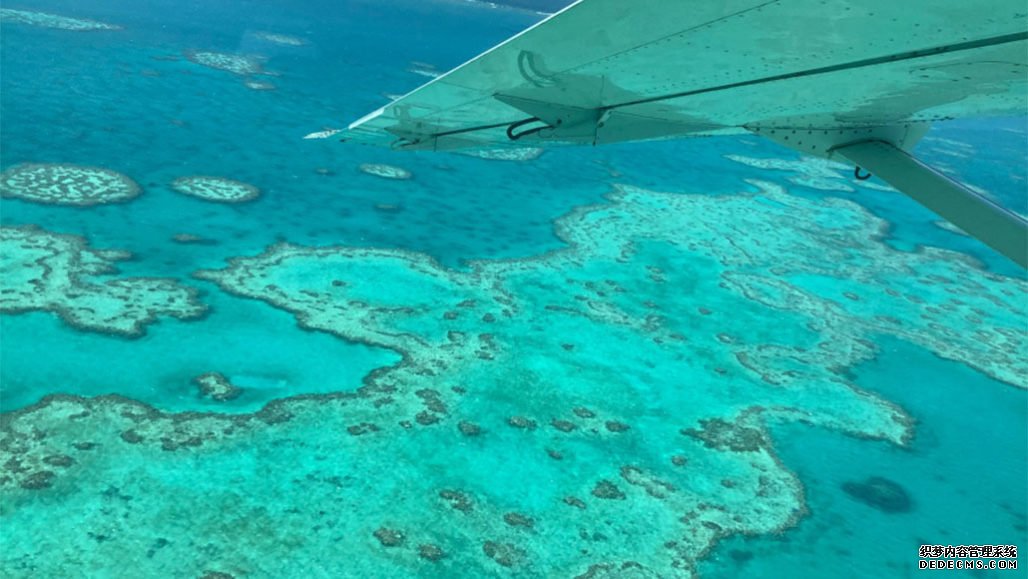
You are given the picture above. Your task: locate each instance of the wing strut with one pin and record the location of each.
(991, 224)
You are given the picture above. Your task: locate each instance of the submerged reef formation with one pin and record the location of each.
(258, 85)
(281, 39)
(597, 411)
(880, 493)
(511, 154)
(217, 189)
(323, 134)
(949, 147)
(390, 208)
(192, 239)
(45, 20)
(217, 387)
(44, 271)
(240, 64)
(424, 69)
(66, 184)
(812, 172)
(385, 171)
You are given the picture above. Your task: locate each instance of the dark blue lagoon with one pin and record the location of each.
(227, 350)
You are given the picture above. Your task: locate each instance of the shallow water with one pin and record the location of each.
(662, 359)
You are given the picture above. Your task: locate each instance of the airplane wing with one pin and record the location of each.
(820, 76)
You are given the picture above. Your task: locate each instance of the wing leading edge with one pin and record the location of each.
(816, 75)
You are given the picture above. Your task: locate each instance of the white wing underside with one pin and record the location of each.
(611, 70)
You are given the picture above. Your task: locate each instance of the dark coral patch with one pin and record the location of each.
(432, 400)
(131, 437)
(521, 422)
(615, 426)
(574, 502)
(719, 434)
(607, 490)
(216, 386)
(426, 418)
(653, 486)
(61, 460)
(362, 428)
(389, 537)
(740, 556)
(38, 480)
(430, 552)
(506, 554)
(469, 428)
(457, 500)
(518, 520)
(583, 412)
(562, 425)
(880, 493)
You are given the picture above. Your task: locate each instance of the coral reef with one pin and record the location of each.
(721, 435)
(45, 20)
(282, 39)
(607, 490)
(243, 65)
(258, 85)
(192, 239)
(949, 147)
(385, 171)
(217, 387)
(505, 554)
(217, 189)
(388, 207)
(66, 184)
(323, 134)
(493, 447)
(389, 537)
(424, 69)
(511, 154)
(44, 271)
(430, 552)
(812, 172)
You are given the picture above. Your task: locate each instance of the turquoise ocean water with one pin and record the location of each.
(649, 360)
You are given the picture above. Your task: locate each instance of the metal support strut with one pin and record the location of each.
(1002, 230)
